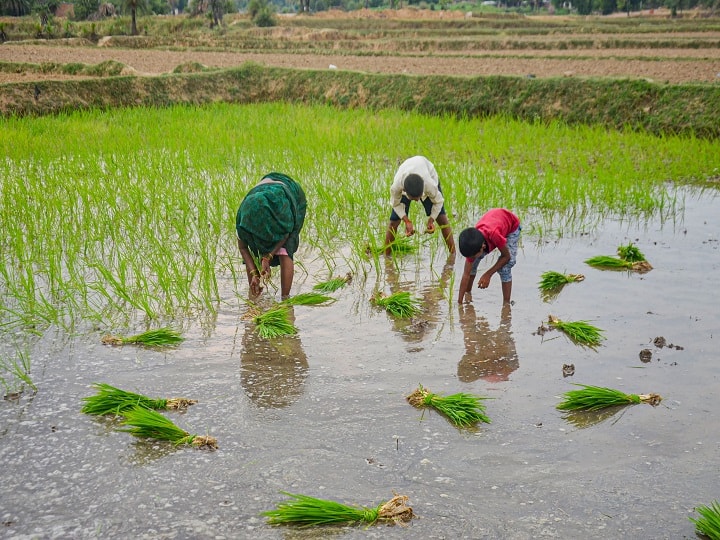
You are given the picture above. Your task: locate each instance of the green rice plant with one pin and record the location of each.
(607, 261)
(462, 409)
(274, 322)
(581, 332)
(630, 253)
(400, 304)
(148, 423)
(709, 522)
(333, 284)
(111, 400)
(157, 338)
(309, 511)
(401, 245)
(615, 263)
(592, 398)
(308, 299)
(552, 280)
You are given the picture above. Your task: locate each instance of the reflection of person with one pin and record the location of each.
(489, 354)
(268, 227)
(430, 298)
(417, 180)
(272, 372)
(498, 228)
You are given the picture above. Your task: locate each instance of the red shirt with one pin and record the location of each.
(495, 225)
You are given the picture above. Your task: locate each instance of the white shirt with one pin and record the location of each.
(426, 170)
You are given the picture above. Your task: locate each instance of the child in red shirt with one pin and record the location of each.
(498, 228)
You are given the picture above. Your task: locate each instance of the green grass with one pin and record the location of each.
(552, 280)
(104, 255)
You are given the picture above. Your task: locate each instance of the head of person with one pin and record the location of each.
(471, 242)
(413, 186)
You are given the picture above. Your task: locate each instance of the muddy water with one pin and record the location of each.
(324, 414)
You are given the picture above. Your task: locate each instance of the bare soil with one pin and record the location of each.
(674, 66)
(669, 66)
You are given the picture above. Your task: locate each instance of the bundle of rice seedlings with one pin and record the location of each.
(308, 299)
(274, 322)
(309, 511)
(151, 424)
(709, 522)
(615, 263)
(606, 261)
(592, 398)
(461, 409)
(630, 253)
(581, 332)
(333, 284)
(160, 337)
(401, 304)
(111, 400)
(402, 245)
(551, 280)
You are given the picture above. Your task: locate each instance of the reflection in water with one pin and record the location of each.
(583, 419)
(415, 329)
(489, 354)
(272, 371)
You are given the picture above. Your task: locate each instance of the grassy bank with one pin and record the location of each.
(617, 104)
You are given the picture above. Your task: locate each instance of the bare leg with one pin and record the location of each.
(390, 235)
(287, 271)
(446, 229)
(506, 290)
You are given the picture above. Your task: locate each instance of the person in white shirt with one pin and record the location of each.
(417, 180)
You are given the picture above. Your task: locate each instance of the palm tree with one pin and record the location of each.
(133, 6)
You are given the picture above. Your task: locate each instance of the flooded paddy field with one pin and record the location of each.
(324, 413)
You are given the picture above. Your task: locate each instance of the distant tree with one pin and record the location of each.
(217, 8)
(608, 6)
(85, 8)
(133, 6)
(15, 8)
(45, 9)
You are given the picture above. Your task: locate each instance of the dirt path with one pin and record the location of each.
(661, 66)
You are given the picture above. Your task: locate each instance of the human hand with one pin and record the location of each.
(430, 226)
(409, 229)
(255, 287)
(484, 281)
(265, 271)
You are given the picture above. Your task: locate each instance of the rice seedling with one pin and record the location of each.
(630, 253)
(401, 245)
(607, 261)
(308, 299)
(333, 284)
(148, 423)
(552, 280)
(462, 409)
(581, 332)
(309, 511)
(617, 263)
(111, 400)
(274, 322)
(709, 521)
(400, 304)
(592, 398)
(156, 338)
